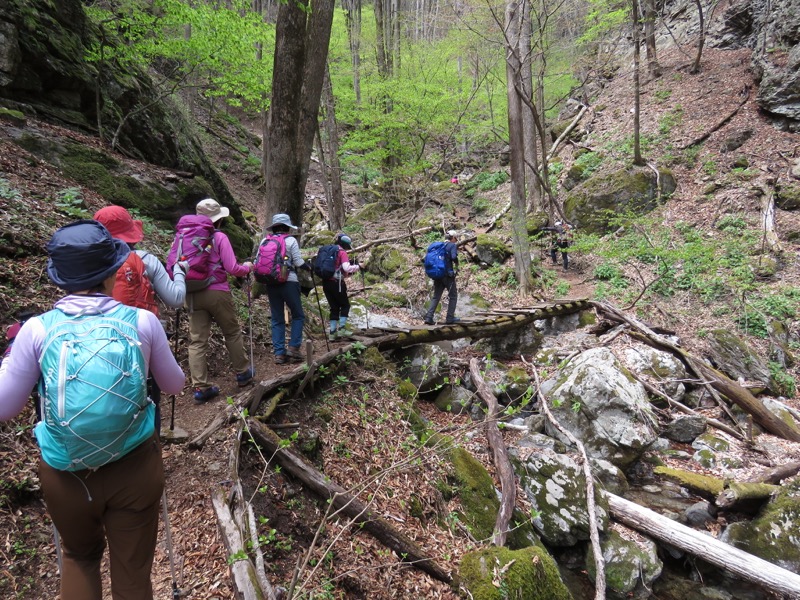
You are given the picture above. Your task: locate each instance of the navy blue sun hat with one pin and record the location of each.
(83, 255)
(344, 241)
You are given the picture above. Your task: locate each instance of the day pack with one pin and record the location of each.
(435, 260)
(194, 239)
(132, 286)
(565, 236)
(272, 263)
(326, 264)
(94, 407)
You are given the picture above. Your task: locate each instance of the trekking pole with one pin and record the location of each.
(176, 593)
(364, 285)
(175, 352)
(59, 555)
(319, 306)
(250, 321)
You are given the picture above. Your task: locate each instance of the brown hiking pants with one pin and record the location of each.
(118, 502)
(204, 307)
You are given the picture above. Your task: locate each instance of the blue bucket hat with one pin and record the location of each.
(83, 255)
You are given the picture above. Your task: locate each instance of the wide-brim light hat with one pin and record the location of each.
(120, 224)
(82, 255)
(452, 233)
(282, 219)
(212, 209)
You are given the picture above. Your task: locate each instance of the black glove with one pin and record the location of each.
(353, 261)
(305, 266)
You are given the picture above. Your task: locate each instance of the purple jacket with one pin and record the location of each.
(224, 262)
(20, 371)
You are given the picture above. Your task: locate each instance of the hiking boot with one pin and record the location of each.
(452, 320)
(332, 336)
(428, 321)
(244, 378)
(201, 396)
(344, 332)
(280, 359)
(294, 355)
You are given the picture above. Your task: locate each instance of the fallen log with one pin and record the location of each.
(702, 545)
(498, 325)
(505, 472)
(778, 474)
(393, 238)
(745, 497)
(350, 506)
(717, 380)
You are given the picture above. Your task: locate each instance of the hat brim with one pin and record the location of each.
(223, 212)
(134, 235)
(289, 225)
(90, 281)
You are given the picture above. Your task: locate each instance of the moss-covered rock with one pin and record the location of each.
(426, 366)
(454, 399)
(787, 196)
(764, 266)
(536, 221)
(604, 196)
(14, 117)
(736, 358)
(491, 250)
(703, 485)
(480, 503)
(630, 567)
(774, 534)
(369, 213)
(499, 573)
(387, 262)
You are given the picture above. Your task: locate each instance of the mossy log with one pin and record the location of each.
(717, 380)
(347, 504)
(738, 562)
(505, 472)
(488, 327)
(703, 485)
(745, 497)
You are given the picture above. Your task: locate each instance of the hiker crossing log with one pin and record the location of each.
(488, 326)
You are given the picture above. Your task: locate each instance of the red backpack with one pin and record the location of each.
(194, 239)
(132, 287)
(272, 262)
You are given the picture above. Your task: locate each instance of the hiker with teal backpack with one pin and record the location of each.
(441, 265)
(211, 259)
(101, 470)
(333, 266)
(276, 267)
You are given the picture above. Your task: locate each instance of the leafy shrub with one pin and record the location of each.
(485, 181)
(480, 204)
(732, 223)
(783, 381)
(7, 192)
(589, 163)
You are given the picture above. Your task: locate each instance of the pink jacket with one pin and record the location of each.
(224, 261)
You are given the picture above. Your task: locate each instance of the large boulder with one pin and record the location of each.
(631, 566)
(491, 250)
(499, 573)
(522, 340)
(732, 355)
(555, 486)
(426, 366)
(591, 204)
(603, 406)
(774, 534)
(663, 367)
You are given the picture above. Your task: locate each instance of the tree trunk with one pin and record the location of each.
(336, 213)
(522, 253)
(532, 187)
(352, 10)
(738, 562)
(701, 40)
(653, 68)
(347, 504)
(637, 149)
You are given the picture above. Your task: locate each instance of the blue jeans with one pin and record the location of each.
(287, 294)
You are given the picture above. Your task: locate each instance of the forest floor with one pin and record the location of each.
(357, 417)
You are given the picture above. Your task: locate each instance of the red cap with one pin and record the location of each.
(120, 224)
(12, 331)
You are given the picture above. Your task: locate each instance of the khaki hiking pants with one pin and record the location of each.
(204, 307)
(118, 503)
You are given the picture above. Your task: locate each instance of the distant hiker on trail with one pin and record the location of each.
(101, 471)
(333, 266)
(142, 277)
(276, 267)
(560, 240)
(441, 265)
(215, 303)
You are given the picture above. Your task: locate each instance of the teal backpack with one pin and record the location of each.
(94, 404)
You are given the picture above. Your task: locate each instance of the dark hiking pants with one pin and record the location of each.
(439, 286)
(336, 293)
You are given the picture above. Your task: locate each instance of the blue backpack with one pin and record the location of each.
(436, 261)
(326, 264)
(94, 404)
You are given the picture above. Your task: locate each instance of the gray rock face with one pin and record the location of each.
(454, 399)
(630, 567)
(10, 54)
(736, 358)
(698, 514)
(491, 250)
(685, 428)
(776, 58)
(603, 407)
(523, 340)
(661, 366)
(426, 366)
(555, 487)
